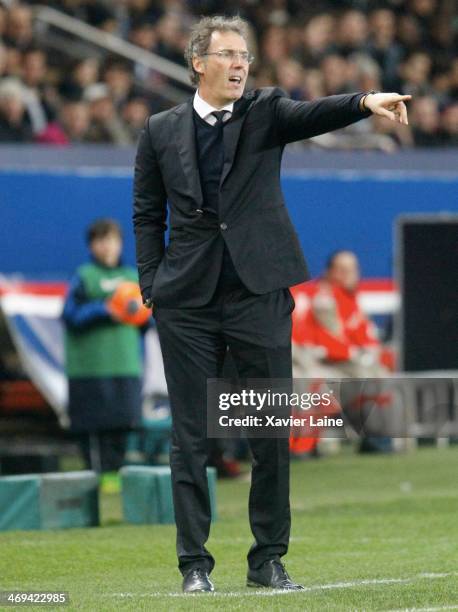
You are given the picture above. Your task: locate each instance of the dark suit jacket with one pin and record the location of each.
(253, 219)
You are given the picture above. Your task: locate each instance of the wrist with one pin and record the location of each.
(362, 103)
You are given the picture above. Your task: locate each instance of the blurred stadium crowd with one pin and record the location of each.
(309, 49)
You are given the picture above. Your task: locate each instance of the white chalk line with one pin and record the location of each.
(433, 609)
(243, 539)
(316, 587)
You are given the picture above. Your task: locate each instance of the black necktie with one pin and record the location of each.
(219, 117)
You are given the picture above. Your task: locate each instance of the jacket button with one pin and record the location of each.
(223, 226)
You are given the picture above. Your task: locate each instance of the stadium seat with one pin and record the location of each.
(49, 501)
(147, 494)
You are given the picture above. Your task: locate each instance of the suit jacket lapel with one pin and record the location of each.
(232, 134)
(185, 138)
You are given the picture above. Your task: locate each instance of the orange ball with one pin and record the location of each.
(126, 304)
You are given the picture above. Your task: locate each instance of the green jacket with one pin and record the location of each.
(95, 345)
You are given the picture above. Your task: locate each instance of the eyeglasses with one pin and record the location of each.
(229, 54)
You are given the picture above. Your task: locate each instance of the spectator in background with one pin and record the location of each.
(409, 33)
(314, 86)
(352, 33)
(295, 34)
(103, 361)
(74, 119)
(426, 119)
(440, 83)
(449, 126)
(336, 72)
(393, 138)
(171, 38)
(415, 74)
(424, 11)
(443, 37)
(291, 78)
(117, 75)
(318, 39)
(134, 114)
(82, 74)
(13, 65)
(384, 48)
(266, 76)
(274, 46)
(365, 72)
(338, 338)
(336, 327)
(105, 125)
(339, 341)
(35, 68)
(19, 32)
(143, 34)
(13, 123)
(41, 98)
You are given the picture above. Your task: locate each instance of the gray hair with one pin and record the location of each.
(199, 41)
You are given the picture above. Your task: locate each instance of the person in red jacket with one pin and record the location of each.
(338, 340)
(336, 335)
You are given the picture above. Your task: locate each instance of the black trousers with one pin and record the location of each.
(194, 341)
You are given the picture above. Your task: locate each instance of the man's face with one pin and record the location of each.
(118, 80)
(34, 68)
(222, 80)
(107, 249)
(102, 110)
(12, 107)
(345, 271)
(75, 119)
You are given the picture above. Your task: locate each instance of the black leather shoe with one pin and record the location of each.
(197, 581)
(272, 574)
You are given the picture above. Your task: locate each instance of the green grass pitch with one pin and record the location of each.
(368, 533)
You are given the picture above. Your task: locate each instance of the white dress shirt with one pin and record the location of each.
(205, 110)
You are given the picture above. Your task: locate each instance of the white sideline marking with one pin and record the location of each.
(435, 609)
(315, 587)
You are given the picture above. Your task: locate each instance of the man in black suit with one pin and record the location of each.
(223, 280)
